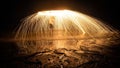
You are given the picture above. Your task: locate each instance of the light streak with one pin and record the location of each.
(59, 24)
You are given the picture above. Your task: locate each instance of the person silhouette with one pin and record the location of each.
(51, 27)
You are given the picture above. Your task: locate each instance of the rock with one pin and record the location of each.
(60, 51)
(79, 51)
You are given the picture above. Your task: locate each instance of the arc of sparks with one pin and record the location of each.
(59, 24)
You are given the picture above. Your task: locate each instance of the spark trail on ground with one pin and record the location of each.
(44, 27)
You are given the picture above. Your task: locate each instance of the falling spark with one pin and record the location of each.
(54, 27)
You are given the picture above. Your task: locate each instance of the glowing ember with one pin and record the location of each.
(56, 27)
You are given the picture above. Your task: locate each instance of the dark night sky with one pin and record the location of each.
(13, 11)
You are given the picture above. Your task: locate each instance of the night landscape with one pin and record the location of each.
(59, 34)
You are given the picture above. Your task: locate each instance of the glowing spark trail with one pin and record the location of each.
(44, 27)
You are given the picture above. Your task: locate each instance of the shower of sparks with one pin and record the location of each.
(56, 26)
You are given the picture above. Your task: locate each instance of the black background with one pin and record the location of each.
(13, 11)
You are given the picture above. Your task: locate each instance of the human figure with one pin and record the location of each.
(51, 27)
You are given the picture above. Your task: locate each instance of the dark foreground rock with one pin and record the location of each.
(87, 56)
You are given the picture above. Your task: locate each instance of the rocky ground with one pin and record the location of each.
(89, 55)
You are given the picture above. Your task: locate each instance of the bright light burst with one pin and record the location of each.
(55, 26)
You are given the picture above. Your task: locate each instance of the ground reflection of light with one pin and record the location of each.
(42, 28)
